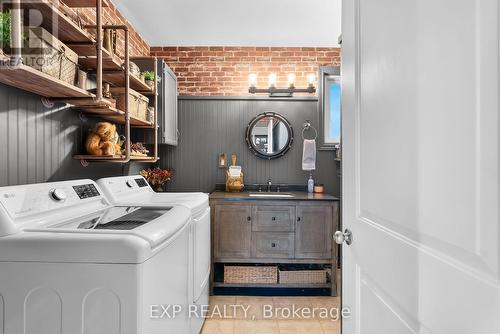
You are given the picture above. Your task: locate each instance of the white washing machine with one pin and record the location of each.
(72, 263)
(135, 189)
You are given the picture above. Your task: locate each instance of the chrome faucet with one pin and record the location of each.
(269, 184)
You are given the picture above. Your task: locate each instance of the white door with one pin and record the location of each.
(421, 166)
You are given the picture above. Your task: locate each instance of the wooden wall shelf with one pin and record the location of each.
(34, 81)
(100, 158)
(84, 43)
(113, 114)
(118, 79)
(88, 60)
(53, 18)
(83, 3)
(144, 159)
(113, 158)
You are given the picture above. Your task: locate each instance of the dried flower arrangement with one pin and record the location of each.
(157, 177)
(138, 149)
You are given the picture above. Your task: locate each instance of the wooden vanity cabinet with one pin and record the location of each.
(274, 231)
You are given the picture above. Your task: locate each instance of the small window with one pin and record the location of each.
(329, 107)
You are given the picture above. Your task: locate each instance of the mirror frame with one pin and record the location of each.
(248, 136)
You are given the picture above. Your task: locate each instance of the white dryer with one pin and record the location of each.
(72, 263)
(135, 189)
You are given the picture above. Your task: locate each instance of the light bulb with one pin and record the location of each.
(291, 79)
(252, 79)
(311, 79)
(272, 80)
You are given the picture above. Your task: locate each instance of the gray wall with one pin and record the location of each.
(209, 126)
(37, 144)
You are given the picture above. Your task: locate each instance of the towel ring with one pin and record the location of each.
(307, 126)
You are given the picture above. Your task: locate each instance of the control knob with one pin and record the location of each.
(58, 195)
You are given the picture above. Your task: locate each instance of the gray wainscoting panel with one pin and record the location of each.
(37, 144)
(212, 126)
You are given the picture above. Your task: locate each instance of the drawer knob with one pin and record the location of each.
(273, 244)
(299, 219)
(274, 218)
(249, 218)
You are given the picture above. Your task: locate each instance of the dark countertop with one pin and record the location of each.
(297, 196)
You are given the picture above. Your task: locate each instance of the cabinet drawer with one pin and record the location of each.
(272, 245)
(273, 218)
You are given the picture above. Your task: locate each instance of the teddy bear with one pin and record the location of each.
(103, 140)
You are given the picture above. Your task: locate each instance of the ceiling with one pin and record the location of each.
(305, 23)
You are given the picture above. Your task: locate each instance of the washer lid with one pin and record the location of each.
(85, 240)
(153, 224)
(135, 189)
(71, 221)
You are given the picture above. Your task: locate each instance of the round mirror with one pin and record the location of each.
(269, 135)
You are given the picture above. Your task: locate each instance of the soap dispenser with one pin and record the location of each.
(310, 184)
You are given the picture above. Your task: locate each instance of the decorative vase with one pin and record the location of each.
(150, 83)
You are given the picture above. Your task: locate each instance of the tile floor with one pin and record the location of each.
(272, 315)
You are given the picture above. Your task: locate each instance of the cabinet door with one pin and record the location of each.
(169, 119)
(232, 231)
(313, 232)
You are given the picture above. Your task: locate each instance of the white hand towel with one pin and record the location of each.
(309, 155)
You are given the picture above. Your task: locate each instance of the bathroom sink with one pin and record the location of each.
(271, 195)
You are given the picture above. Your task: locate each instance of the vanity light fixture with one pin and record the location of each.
(274, 91)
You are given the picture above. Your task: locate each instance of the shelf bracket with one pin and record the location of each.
(47, 103)
(83, 118)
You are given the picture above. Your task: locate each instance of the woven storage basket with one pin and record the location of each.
(244, 274)
(44, 52)
(303, 276)
(137, 103)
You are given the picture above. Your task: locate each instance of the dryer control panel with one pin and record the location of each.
(124, 188)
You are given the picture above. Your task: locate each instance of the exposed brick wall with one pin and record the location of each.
(223, 71)
(111, 15)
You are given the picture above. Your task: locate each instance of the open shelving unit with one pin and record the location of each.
(87, 42)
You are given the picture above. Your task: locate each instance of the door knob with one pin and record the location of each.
(341, 237)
